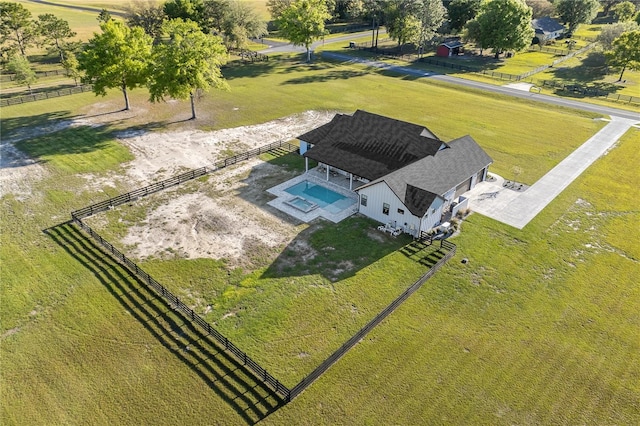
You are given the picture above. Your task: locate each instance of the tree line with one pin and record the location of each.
(176, 48)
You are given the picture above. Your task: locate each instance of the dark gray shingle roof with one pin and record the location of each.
(546, 25)
(370, 145)
(419, 183)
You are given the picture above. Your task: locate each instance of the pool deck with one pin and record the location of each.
(317, 178)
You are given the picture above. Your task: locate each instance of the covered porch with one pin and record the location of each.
(335, 176)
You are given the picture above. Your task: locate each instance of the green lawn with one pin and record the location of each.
(541, 326)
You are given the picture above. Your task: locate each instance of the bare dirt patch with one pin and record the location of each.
(225, 217)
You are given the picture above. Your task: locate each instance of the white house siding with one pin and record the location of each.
(433, 215)
(379, 194)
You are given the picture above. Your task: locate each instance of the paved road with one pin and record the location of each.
(80, 8)
(281, 47)
(570, 103)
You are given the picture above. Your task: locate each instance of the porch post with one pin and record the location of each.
(350, 181)
(306, 164)
(328, 173)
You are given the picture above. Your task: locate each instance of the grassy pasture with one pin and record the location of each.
(84, 23)
(503, 339)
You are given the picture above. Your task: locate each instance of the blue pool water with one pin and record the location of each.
(320, 195)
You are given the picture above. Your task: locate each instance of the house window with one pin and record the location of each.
(400, 211)
(363, 200)
(385, 208)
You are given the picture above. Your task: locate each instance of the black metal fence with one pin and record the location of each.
(46, 95)
(446, 246)
(39, 74)
(176, 180)
(590, 91)
(159, 289)
(176, 304)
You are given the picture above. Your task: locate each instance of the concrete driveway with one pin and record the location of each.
(519, 208)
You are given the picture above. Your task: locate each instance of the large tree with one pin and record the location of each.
(149, 16)
(503, 25)
(17, 28)
(302, 22)
(625, 52)
(236, 21)
(25, 76)
(56, 32)
(462, 11)
(187, 60)
(540, 8)
(576, 12)
(610, 32)
(119, 57)
(403, 24)
(624, 12)
(184, 9)
(431, 14)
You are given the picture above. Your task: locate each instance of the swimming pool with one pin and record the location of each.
(320, 195)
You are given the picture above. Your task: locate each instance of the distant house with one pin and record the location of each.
(547, 28)
(450, 48)
(411, 178)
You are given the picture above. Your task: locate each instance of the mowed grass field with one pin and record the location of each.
(540, 326)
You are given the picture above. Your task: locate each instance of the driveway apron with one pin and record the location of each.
(518, 209)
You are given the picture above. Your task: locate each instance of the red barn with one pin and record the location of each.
(450, 48)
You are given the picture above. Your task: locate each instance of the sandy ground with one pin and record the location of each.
(225, 218)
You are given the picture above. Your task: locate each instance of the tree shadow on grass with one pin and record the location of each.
(226, 377)
(239, 69)
(24, 126)
(328, 76)
(64, 145)
(592, 68)
(335, 251)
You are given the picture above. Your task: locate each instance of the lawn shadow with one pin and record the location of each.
(328, 76)
(591, 69)
(24, 127)
(238, 69)
(225, 376)
(68, 140)
(335, 251)
(424, 252)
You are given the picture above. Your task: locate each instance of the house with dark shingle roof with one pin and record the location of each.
(547, 28)
(408, 176)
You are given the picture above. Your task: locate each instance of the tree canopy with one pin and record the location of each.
(119, 57)
(302, 22)
(431, 14)
(576, 12)
(624, 12)
(56, 32)
(149, 16)
(17, 28)
(502, 25)
(625, 52)
(610, 32)
(402, 22)
(24, 74)
(462, 11)
(185, 61)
